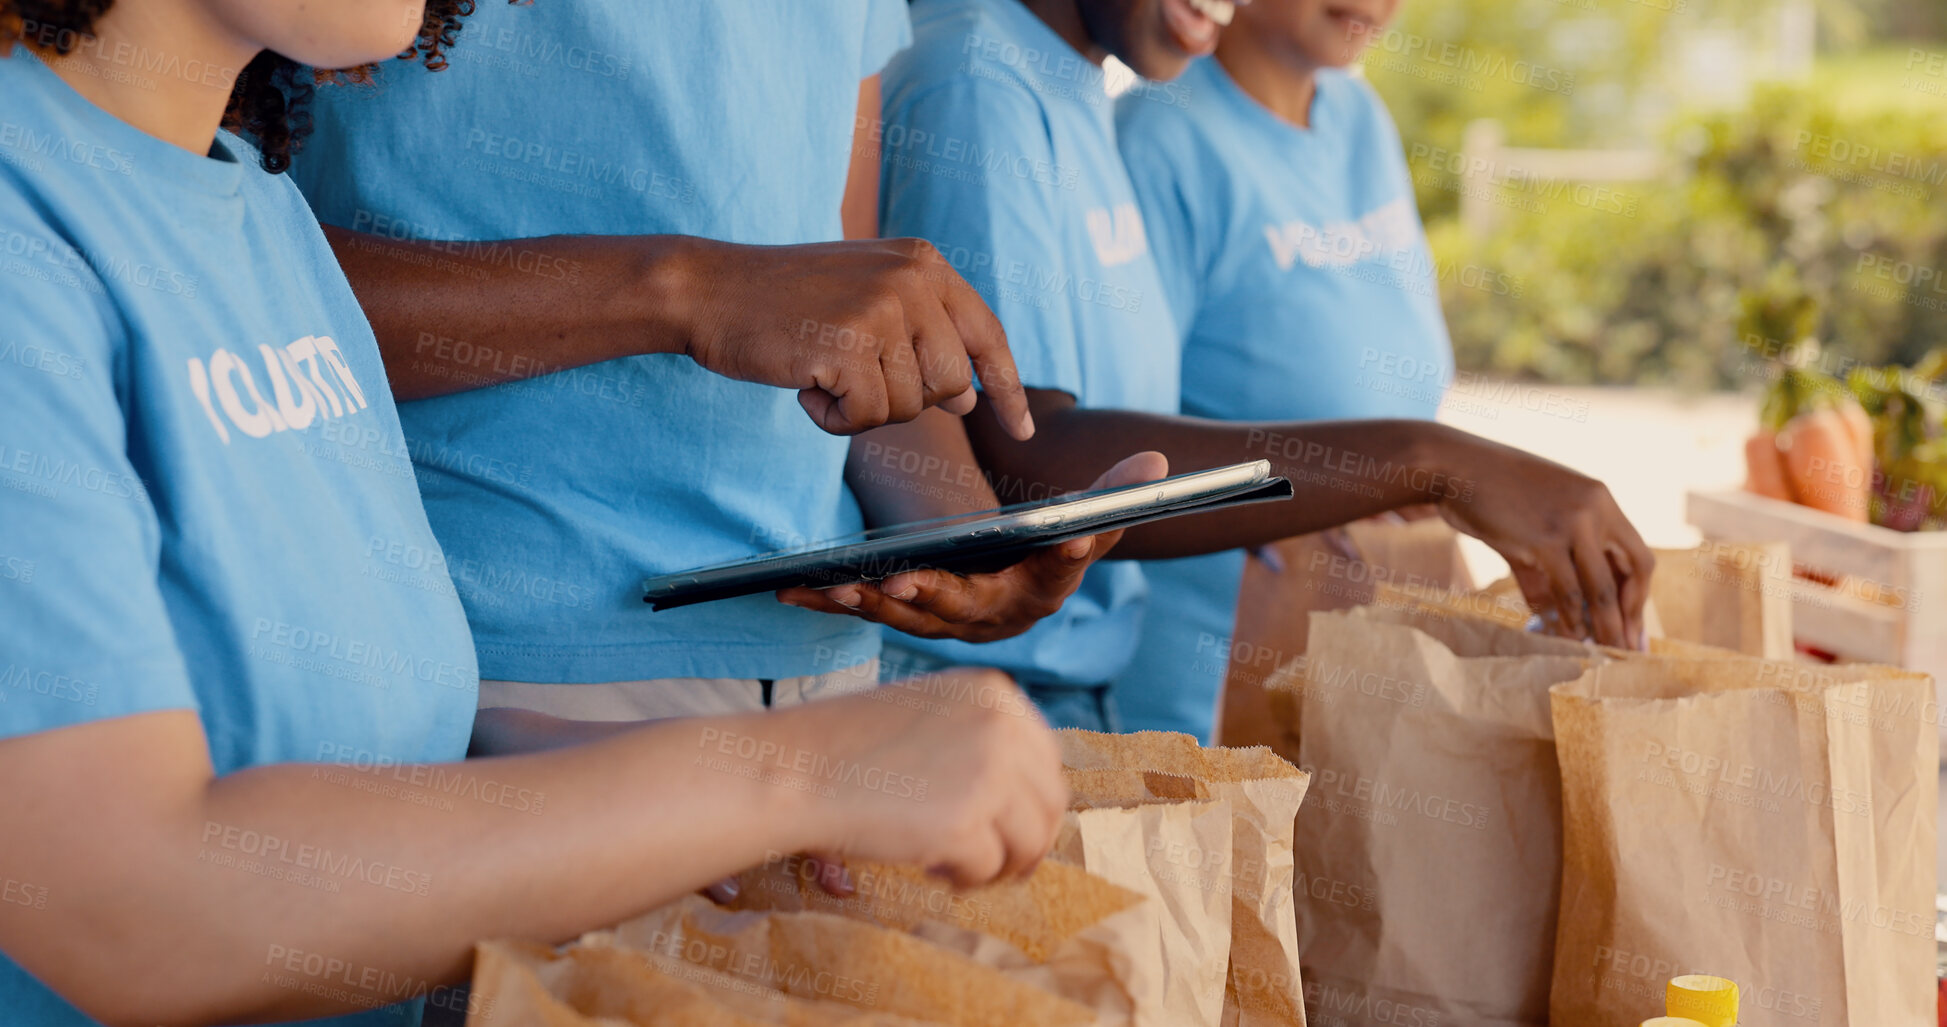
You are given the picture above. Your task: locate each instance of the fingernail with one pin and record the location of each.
(845, 595)
(1027, 423)
(1077, 549)
(905, 593)
(728, 889)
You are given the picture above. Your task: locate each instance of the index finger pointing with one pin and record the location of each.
(986, 345)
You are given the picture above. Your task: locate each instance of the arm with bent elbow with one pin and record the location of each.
(174, 896)
(1571, 549)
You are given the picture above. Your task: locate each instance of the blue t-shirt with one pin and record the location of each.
(554, 497)
(202, 480)
(999, 148)
(1296, 263)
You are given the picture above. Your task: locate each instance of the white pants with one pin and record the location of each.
(673, 697)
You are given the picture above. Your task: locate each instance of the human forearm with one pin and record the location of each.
(922, 469)
(392, 873)
(453, 316)
(1342, 470)
(1577, 558)
(866, 331)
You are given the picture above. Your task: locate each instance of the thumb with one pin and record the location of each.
(1147, 465)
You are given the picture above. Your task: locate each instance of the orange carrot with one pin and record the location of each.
(1822, 464)
(1764, 468)
(1860, 428)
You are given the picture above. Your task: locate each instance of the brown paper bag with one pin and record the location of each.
(1176, 854)
(1286, 685)
(1769, 822)
(1425, 849)
(817, 955)
(1497, 606)
(1264, 793)
(1116, 788)
(1735, 595)
(1329, 570)
(1731, 595)
(527, 985)
(1077, 934)
(1036, 915)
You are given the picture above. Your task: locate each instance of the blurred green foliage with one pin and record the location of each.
(1783, 220)
(1817, 209)
(1552, 72)
(1784, 204)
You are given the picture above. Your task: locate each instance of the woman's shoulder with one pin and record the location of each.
(52, 291)
(1355, 102)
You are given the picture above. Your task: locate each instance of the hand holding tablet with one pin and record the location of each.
(971, 543)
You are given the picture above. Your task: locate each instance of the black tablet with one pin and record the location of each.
(970, 543)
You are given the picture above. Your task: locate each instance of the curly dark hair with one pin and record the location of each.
(273, 93)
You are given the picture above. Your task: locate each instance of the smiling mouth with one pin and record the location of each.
(1196, 23)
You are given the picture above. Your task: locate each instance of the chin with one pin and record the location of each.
(343, 34)
(1160, 68)
(1342, 58)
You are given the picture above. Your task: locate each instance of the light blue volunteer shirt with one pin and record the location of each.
(1299, 271)
(999, 148)
(203, 487)
(554, 497)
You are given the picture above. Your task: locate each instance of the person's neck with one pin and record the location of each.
(1282, 82)
(1065, 17)
(196, 60)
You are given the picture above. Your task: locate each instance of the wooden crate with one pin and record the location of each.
(1906, 628)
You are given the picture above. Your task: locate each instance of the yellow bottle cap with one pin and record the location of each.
(1711, 1001)
(1671, 1021)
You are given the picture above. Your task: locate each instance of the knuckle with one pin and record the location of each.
(917, 250)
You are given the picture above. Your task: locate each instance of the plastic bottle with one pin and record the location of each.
(1711, 1001)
